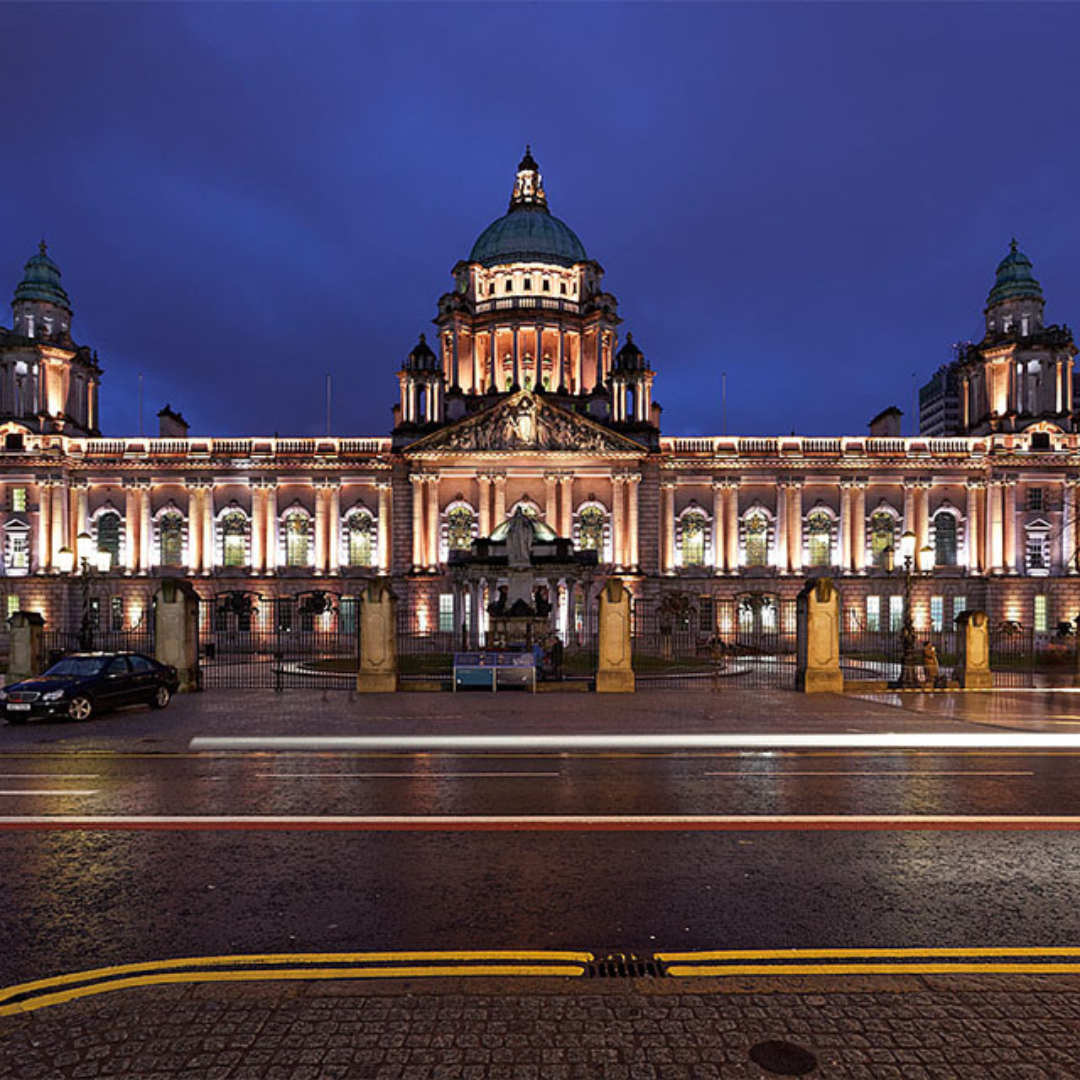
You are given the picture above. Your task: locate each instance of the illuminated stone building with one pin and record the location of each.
(530, 395)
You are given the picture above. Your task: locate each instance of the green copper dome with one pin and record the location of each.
(528, 232)
(41, 281)
(1015, 281)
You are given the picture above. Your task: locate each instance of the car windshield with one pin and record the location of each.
(78, 666)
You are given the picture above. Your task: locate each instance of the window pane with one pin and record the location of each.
(873, 613)
(882, 527)
(693, 539)
(944, 539)
(937, 613)
(896, 612)
(757, 540)
(1042, 614)
(446, 612)
(172, 540)
(108, 535)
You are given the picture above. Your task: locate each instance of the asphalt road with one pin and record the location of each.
(72, 900)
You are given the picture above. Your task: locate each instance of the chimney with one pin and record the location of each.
(886, 425)
(171, 425)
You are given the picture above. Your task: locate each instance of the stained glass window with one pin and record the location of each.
(819, 538)
(694, 526)
(360, 536)
(234, 528)
(591, 529)
(757, 540)
(296, 539)
(459, 528)
(171, 538)
(108, 535)
(944, 539)
(882, 532)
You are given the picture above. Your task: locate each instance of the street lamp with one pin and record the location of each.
(91, 564)
(909, 662)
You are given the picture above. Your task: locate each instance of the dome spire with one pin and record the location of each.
(529, 185)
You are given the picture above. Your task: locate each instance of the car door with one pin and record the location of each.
(116, 686)
(144, 678)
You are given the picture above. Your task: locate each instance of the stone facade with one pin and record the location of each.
(528, 400)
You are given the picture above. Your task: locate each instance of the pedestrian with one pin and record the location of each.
(930, 663)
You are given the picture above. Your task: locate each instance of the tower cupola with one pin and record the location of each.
(41, 306)
(1015, 303)
(631, 386)
(422, 388)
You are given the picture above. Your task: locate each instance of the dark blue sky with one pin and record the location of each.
(812, 198)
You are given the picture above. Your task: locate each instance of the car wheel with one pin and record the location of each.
(80, 707)
(161, 698)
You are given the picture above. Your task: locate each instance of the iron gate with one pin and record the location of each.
(248, 641)
(1012, 654)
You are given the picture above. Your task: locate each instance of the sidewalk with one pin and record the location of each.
(929, 1028)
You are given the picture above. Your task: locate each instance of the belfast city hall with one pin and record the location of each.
(528, 399)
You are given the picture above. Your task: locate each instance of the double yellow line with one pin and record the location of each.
(959, 961)
(26, 997)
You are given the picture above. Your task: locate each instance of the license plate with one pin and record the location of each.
(12, 707)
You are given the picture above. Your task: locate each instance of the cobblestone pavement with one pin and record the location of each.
(551, 1029)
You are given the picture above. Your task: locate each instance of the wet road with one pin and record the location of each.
(79, 899)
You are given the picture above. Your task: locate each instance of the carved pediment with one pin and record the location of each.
(525, 421)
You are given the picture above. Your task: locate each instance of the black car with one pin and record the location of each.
(85, 683)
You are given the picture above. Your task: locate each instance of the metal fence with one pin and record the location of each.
(1012, 655)
(426, 643)
(310, 640)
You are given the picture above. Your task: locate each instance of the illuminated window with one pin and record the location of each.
(348, 614)
(937, 612)
(706, 615)
(1035, 498)
(694, 527)
(18, 499)
(17, 549)
(757, 540)
(171, 539)
(1042, 613)
(12, 604)
(882, 532)
(819, 538)
(959, 606)
(446, 612)
(108, 534)
(873, 613)
(944, 538)
(509, 285)
(360, 538)
(758, 614)
(591, 529)
(116, 612)
(234, 536)
(296, 539)
(1037, 551)
(896, 612)
(459, 528)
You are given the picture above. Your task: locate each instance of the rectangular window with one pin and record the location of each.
(1038, 552)
(12, 604)
(706, 615)
(1042, 613)
(959, 606)
(896, 613)
(527, 284)
(116, 609)
(18, 499)
(937, 612)
(19, 547)
(1035, 498)
(446, 612)
(873, 613)
(349, 609)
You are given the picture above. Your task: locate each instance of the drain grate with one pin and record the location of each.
(783, 1058)
(624, 966)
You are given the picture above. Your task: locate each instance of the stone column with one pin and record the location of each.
(994, 531)
(844, 554)
(615, 670)
(418, 560)
(1068, 526)
(176, 630)
(271, 527)
(433, 521)
(667, 527)
(566, 482)
(44, 552)
(82, 507)
(333, 538)
(618, 488)
(1009, 530)
(145, 528)
(973, 532)
(378, 639)
(26, 646)
(209, 547)
(131, 528)
(61, 529)
(320, 529)
(909, 524)
(731, 531)
(483, 481)
(385, 494)
(194, 529)
(258, 526)
(858, 529)
(781, 543)
(500, 499)
(922, 519)
(633, 550)
(551, 492)
(818, 639)
(795, 526)
(719, 531)
(974, 672)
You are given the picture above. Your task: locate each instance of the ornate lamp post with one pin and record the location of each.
(910, 659)
(92, 564)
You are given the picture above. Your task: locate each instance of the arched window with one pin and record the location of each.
(757, 539)
(591, 521)
(460, 522)
(234, 536)
(297, 529)
(694, 528)
(819, 538)
(882, 535)
(360, 538)
(944, 538)
(108, 534)
(171, 539)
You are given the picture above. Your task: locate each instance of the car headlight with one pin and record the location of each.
(53, 695)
